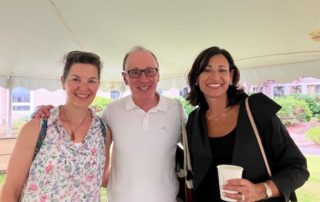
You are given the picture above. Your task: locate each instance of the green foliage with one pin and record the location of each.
(313, 102)
(103, 192)
(99, 104)
(188, 108)
(293, 110)
(18, 124)
(314, 134)
(2, 176)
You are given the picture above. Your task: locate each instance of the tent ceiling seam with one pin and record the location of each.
(67, 26)
(277, 54)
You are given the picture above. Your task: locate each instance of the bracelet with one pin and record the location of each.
(268, 190)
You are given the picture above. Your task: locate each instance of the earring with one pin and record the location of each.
(197, 83)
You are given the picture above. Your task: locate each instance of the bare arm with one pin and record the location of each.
(20, 161)
(107, 162)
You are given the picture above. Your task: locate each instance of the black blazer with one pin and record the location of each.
(288, 165)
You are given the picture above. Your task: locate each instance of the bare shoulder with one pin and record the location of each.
(30, 132)
(31, 126)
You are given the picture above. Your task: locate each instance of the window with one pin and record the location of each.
(256, 89)
(114, 94)
(278, 90)
(296, 89)
(20, 99)
(317, 89)
(184, 92)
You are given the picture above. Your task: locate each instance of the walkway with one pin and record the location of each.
(298, 134)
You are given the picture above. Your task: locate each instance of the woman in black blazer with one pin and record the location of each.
(219, 132)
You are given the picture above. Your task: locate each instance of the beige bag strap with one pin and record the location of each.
(256, 132)
(186, 156)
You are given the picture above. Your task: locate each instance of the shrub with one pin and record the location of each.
(293, 110)
(314, 134)
(99, 104)
(313, 102)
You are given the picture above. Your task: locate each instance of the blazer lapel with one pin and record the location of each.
(200, 146)
(200, 141)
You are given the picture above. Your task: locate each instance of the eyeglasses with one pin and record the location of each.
(136, 73)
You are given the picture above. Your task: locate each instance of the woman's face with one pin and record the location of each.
(215, 79)
(81, 85)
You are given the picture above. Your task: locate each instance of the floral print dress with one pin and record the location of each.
(64, 170)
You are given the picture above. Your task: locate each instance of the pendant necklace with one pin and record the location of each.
(73, 130)
(217, 118)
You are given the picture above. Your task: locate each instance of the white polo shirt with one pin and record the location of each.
(144, 146)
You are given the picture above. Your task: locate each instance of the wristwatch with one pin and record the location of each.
(268, 190)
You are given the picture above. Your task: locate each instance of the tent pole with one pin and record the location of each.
(9, 111)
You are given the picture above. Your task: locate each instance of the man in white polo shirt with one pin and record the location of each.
(145, 131)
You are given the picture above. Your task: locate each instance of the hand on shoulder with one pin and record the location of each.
(42, 111)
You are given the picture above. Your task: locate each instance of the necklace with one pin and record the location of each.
(211, 117)
(74, 130)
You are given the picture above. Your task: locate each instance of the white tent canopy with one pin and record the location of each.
(269, 40)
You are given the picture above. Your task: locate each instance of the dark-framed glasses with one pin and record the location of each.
(136, 73)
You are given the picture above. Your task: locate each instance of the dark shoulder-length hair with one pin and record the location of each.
(195, 96)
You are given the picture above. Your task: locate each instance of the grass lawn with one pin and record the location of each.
(1, 179)
(308, 193)
(103, 194)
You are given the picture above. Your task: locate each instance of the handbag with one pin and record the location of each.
(184, 173)
(293, 196)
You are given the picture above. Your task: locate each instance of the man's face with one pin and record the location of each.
(143, 87)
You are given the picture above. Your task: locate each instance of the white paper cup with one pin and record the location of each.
(225, 173)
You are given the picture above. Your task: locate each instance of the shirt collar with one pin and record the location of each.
(161, 106)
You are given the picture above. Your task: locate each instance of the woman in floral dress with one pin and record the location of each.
(72, 162)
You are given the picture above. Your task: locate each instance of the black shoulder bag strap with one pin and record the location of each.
(42, 135)
(103, 128)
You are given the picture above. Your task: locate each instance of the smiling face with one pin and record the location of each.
(215, 79)
(81, 85)
(144, 87)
